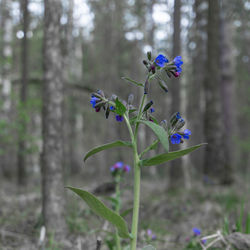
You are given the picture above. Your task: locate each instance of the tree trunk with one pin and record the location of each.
(176, 173)
(22, 175)
(195, 85)
(212, 117)
(5, 82)
(227, 98)
(52, 171)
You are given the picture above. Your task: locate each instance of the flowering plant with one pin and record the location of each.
(158, 70)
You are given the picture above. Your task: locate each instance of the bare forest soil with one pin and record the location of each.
(170, 215)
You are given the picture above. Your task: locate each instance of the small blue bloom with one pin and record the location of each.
(118, 165)
(112, 108)
(178, 62)
(160, 60)
(196, 231)
(119, 118)
(93, 101)
(187, 133)
(178, 116)
(152, 110)
(175, 138)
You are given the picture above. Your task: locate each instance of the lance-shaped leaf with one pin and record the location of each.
(126, 212)
(133, 81)
(100, 209)
(160, 132)
(159, 159)
(107, 146)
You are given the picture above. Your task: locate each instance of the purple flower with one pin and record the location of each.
(119, 118)
(126, 168)
(152, 110)
(175, 138)
(112, 108)
(178, 116)
(196, 231)
(151, 235)
(118, 165)
(186, 134)
(149, 232)
(204, 241)
(160, 60)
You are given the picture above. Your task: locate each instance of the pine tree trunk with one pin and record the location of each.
(5, 82)
(22, 175)
(227, 98)
(52, 171)
(212, 118)
(176, 173)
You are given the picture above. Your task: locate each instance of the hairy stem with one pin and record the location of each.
(117, 210)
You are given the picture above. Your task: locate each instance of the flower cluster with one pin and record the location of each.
(119, 167)
(197, 232)
(176, 123)
(150, 235)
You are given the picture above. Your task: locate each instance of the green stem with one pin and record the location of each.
(148, 148)
(117, 210)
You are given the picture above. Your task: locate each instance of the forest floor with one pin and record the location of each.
(170, 215)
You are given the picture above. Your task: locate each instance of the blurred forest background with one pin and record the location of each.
(55, 53)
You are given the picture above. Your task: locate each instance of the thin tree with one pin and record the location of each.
(213, 162)
(6, 28)
(52, 171)
(23, 94)
(176, 173)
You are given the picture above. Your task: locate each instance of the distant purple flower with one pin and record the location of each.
(186, 134)
(151, 235)
(196, 231)
(118, 165)
(160, 60)
(175, 138)
(126, 168)
(204, 241)
(119, 118)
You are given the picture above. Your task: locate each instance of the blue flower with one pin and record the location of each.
(175, 138)
(204, 241)
(178, 116)
(186, 134)
(93, 101)
(112, 108)
(196, 231)
(160, 60)
(118, 165)
(119, 118)
(178, 62)
(152, 110)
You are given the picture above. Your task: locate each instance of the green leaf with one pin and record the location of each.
(149, 247)
(126, 212)
(100, 209)
(160, 132)
(120, 109)
(107, 146)
(133, 81)
(159, 159)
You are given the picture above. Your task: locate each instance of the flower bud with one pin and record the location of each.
(146, 86)
(149, 55)
(147, 106)
(163, 85)
(145, 62)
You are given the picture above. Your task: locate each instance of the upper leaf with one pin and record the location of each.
(120, 109)
(100, 209)
(107, 146)
(160, 133)
(159, 159)
(133, 81)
